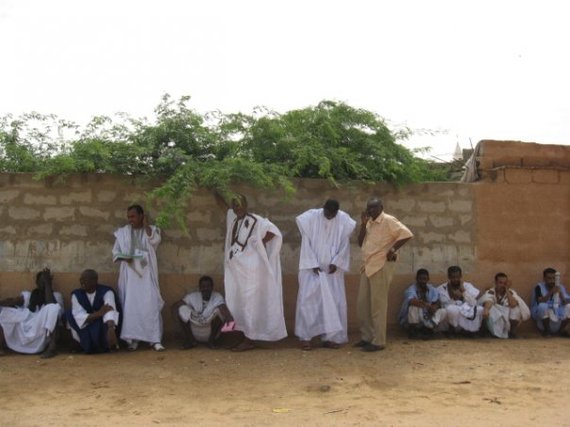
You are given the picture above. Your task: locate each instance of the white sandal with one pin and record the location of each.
(158, 347)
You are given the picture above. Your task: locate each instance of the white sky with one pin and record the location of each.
(471, 69)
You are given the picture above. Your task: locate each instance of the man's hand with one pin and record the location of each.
(391, 255)
(316, 270)
(332, 268)
(364, 217)
(457, 294)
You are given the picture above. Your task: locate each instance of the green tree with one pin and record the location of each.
(185, 150)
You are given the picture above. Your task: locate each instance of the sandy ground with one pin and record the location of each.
(441, 382)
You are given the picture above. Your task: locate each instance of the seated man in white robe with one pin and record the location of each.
(325, 257)
(94, 315)
(202, 314)
(421, 313)
(28, 322)
(459, 298)
(503, 308)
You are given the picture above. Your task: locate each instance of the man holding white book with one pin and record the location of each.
(139, 291)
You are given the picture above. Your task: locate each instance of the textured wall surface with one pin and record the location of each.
(516, 220)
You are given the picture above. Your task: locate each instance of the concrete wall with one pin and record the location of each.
(515, 221)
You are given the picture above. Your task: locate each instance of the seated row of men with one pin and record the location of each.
(28, 323)
(459, 307)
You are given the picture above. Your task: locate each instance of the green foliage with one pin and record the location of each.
(187, 150)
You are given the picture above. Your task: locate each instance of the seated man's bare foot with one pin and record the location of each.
(306, 346)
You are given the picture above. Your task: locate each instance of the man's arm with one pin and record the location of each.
(12, 302)
(364, 218)
(391, 255)
(268, 236)
(225, 312)
(487, 308)
(48, 290)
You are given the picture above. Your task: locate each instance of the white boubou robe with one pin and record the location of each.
(139, 290)
(28, 331)
(252, 277)
(200, 313)
(501, 314)
(466, 314)
(321, 301)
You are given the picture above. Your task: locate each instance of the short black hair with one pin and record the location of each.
(331, 205)
(454, 269)
(375, 200)
(548, 270)
(422, 271)
(206, 279)
(137, 208)
(500, 275)
(92, 274)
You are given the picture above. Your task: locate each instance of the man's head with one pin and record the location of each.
(454, 275)
(330, 208)
(501, 280)
(88, 280)
(43, 278)
(422, 278)
(374, 207)
(206, 286)
(239, 205)
(135, 216)
(549, 276)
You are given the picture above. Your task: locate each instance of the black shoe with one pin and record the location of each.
(361, 343)
(372, 347)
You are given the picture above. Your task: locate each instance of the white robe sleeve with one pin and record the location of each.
(109, 299)
(154, 238)
(78, 312)
(342, 257)
(308, 258)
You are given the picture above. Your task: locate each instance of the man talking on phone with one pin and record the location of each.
(135, 250)
(380, 237)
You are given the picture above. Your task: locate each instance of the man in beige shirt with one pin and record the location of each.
(380, 237)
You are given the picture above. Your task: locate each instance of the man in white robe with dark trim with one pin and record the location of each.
(135, 249)
(252, 275)
(503, 309)
(459, 298)
(324, 258)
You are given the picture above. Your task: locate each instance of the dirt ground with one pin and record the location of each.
(440, 382)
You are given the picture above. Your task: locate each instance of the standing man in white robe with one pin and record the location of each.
(135, 249)
(325, 256)
(252, 275)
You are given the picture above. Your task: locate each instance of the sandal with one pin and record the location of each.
(306, 346)
(331, 345)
